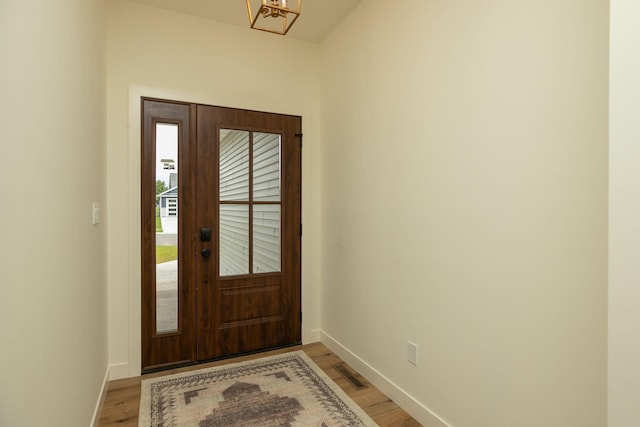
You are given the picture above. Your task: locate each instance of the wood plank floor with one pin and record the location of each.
(122, 401)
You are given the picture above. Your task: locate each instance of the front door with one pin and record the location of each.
(234, 285)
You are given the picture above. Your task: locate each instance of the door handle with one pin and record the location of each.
(205, 234)
(206, 252)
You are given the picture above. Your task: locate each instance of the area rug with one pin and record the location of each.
(284, 390)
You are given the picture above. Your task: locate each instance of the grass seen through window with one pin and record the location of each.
(166, 253)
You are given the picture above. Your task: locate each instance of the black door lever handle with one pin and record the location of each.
(205, 234)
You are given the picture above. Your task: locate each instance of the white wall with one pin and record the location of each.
(53, 329)
(464, 206)
(153, 52)
(624, 216)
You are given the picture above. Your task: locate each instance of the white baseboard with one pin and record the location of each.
(417, 410)
(103, 393)
(118, 371)
(314, 335)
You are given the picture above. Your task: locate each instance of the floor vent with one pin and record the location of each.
(350, 376)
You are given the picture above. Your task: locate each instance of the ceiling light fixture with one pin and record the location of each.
(274, 16)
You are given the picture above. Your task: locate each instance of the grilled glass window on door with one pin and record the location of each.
(250, 202)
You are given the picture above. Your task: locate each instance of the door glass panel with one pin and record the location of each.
(234, 240)
(234, 165)
(166, 227)
(266, 167)
(266, 238)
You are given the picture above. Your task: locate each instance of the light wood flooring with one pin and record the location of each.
(122, 401)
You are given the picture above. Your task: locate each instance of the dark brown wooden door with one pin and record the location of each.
(221, 203)
(249, 196)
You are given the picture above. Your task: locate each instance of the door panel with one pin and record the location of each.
(235, 200)
(249, 173)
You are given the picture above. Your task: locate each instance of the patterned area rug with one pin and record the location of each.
(283, 390)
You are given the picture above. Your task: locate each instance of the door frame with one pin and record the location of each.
(179, 348)
(125, 350)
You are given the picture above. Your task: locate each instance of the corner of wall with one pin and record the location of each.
(95, 420)
(417, 410)
(118, 371)
(314, 335)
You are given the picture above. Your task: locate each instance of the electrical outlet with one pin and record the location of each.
(412, 353)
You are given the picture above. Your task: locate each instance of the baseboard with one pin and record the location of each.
(118, 371)
(103, 393)
(417, 410)
(312, 336)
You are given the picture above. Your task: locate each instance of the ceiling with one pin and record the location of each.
(317, 19)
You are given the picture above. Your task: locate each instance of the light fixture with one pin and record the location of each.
(274, 16)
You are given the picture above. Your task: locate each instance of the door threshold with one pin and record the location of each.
(216, 359)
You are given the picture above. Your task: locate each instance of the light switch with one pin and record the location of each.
(96, 213)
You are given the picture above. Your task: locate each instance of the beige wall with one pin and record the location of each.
(53, 329)
(464, 206)
(463, 180)
(153, 52)
(624, 232)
